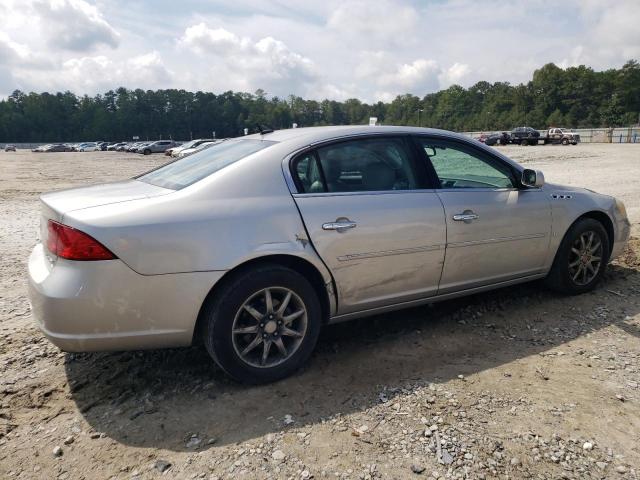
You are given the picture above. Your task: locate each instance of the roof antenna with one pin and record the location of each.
(264, 129)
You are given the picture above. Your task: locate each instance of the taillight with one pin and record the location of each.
(72, 244)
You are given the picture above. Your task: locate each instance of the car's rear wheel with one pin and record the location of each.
(581, 259)
(263, 324)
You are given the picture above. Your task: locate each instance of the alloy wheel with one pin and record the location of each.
(269, 327)
(585, 258)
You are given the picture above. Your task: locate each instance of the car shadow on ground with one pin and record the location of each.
(161, 398)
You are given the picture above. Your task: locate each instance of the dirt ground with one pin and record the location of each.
(517, 383)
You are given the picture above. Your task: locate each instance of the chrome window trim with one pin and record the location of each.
(498, 156)
(482, 189)
(370, 192)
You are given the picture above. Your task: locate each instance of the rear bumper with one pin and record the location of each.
(104, 305)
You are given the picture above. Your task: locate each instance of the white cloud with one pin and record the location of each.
(75, 24)
(242, 63)
(379, 23)
(419, 76)
(205, 40)
(457, 73)
(100, 73)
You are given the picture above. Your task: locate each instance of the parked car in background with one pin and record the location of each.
(124, 147)
(9, 148)
(102, 146)
(255, 243)
(52, 147)
(561, 136)
(156, 147)
(175, 152)
(177, 145)
(114, 146)
(498, 139)
(88, 147)
(202, 146)
(525, 136)
(134, 146)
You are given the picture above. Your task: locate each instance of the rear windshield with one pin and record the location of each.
(195, 167)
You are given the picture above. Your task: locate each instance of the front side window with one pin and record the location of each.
(459, 166)
(375, 164)
(188, 170)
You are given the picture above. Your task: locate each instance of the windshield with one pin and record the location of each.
(188, 170)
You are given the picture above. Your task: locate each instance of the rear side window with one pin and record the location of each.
(308, 174)
(188, 170)
(376, 164)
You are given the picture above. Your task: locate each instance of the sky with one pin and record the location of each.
(337, 49)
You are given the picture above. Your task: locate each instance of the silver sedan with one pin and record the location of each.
(252, 245)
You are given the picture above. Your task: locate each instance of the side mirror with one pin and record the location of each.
(532, 178)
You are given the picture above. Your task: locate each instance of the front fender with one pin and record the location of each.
(568, 204)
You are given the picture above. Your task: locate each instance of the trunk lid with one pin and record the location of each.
(56, 204)
(59, 203)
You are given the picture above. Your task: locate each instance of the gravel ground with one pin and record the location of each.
(517, 383)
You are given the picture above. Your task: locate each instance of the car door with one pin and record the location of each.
(372, 221)
(496, 231)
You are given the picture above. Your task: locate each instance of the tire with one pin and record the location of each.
(562, 277)
(147, 151)
(224, 312)
(524, 142)
(565, 141)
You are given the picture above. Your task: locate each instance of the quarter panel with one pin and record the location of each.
(240, 212)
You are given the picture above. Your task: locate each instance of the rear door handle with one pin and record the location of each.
(339, 225)
(467, 216)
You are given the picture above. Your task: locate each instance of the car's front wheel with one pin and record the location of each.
(263, 324)
(581, 259)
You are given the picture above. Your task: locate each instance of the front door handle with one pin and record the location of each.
(339, 225)
(467, 216)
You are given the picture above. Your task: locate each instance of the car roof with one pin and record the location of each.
(298, 138)
(310, 135)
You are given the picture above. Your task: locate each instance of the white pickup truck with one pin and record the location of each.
(561, 135)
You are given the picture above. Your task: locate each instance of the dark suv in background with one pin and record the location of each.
(525, 136)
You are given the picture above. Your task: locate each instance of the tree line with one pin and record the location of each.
(575, 97)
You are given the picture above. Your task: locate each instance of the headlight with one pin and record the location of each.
(620, 208)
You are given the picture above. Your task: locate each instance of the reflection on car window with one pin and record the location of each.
(378, 164)
(459, 167)
(308, 174)
(188, 170)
